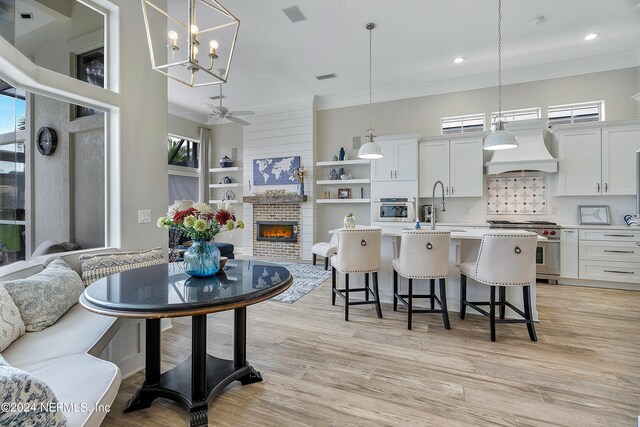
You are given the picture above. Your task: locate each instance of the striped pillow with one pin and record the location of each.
(97, 266)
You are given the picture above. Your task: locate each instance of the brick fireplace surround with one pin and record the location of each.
(276, 212)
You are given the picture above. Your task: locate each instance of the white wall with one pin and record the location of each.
(288, 133)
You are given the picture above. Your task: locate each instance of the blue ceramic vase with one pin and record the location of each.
(202, 259)
(341, 154)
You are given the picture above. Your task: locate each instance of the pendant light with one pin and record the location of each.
(371, 149)
(499, 138)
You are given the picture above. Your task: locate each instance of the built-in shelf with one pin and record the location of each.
(343, 181)
(344, 162)
(231, 169)
(232, 185)
(323, 201)
(234, 201)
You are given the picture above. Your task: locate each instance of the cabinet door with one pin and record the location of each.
(619, 145)
(434, 166)
(579, 169)
(383, 169)
(569, 264)
(465, 168)
(406, 160)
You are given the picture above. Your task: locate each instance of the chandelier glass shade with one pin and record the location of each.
(191, 41)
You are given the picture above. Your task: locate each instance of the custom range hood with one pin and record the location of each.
(530, 155)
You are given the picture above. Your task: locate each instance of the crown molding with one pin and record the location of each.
(626, 59)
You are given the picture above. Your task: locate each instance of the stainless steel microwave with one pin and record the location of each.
(397, 210)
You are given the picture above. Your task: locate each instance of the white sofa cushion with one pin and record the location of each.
(11, 325)
(74, 333)
(44, 297)
(31, 400)
(81, 383)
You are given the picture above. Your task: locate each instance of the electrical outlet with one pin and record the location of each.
(144, 216)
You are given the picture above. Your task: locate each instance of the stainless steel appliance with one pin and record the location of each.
(425, 213)
(394, 209)
(547, 253)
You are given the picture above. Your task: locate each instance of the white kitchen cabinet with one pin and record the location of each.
(400, 161)
(598, 160)
(569, 260)
(456, 162)
(609, 255)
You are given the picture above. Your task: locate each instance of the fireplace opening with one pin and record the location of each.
(277, 231)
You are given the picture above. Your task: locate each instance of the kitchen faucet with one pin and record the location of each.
(433, 204)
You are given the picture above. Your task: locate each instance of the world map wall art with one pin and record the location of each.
(275, 171)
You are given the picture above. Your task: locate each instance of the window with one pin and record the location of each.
(517, 115)
(576, 113)
(463, 124)
(184, 169)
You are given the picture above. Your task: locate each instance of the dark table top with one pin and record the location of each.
(167, 291)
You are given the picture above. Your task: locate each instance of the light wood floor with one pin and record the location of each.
(319, 370)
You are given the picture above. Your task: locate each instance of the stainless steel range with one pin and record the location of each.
(548, 252)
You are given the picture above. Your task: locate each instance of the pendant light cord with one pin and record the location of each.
(499, 58)
(370, 84)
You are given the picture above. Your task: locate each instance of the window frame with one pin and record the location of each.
(462, 118)
(513, 113)
(185, 170)
(599, 104)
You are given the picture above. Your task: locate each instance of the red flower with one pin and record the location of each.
(223, 216)
(179, 216)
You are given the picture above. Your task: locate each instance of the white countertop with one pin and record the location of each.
(603, 227)
(456, 232)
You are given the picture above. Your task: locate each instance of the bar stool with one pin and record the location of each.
(325, 249)
(423, 255)
(505, 259)
(358, 252)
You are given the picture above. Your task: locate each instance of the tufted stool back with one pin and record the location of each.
(507, 259)
(358, 250)
(424, 254)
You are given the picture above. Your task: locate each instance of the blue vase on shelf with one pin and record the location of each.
(202, 259)
(341, 154)
(301, 188)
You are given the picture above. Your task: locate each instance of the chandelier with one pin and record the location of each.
(197, 47)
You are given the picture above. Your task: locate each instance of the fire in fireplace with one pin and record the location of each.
(277, 231)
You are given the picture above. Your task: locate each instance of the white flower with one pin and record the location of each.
(202, 208)
(219, 205)
(227, 206)
(172, 210)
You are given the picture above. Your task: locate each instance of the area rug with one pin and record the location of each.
(306, 277)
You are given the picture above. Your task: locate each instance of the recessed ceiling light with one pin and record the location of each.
(294, 14)
(591, 36)
(459, 59)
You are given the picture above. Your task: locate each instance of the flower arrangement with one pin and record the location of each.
(298, 174)
(201, 221)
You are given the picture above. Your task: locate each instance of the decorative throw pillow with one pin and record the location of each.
(11, 324)
(44, 297)
(27, 400)
(97, 266)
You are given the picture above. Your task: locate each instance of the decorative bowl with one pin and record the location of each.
(226, 162)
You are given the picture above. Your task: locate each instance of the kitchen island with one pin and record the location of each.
(465, 244)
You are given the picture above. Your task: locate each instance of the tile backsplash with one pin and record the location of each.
(524, 195)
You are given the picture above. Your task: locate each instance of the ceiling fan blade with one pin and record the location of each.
(243, 113)
(213, 120)
(237, 120)
(215, 108)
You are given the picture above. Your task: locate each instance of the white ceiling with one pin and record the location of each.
(414, 45)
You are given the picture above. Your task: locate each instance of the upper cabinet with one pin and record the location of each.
(457, 162)
(400, 161)
(597, 160)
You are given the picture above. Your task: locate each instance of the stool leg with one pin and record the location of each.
(346, 297)
(326, 263)
(314, 259)
(395, 290)
(432, 285)
(463, 295)
(377, 294)
(366, 286)
(492, 313)
(410, 315)
(502, 295)
(333, 286)
(443, 305)
(526, 294)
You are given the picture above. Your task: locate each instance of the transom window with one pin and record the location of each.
(184, 169)
(183, 152)
(463, 124)
(576, 113)
(517, 115)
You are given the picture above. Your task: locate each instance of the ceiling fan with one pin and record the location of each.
(220, 112)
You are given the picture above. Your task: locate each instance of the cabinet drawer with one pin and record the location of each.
(610, 271)
(613, 235)
(610, 251)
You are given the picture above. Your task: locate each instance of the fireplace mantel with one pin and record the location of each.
(263, 199)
